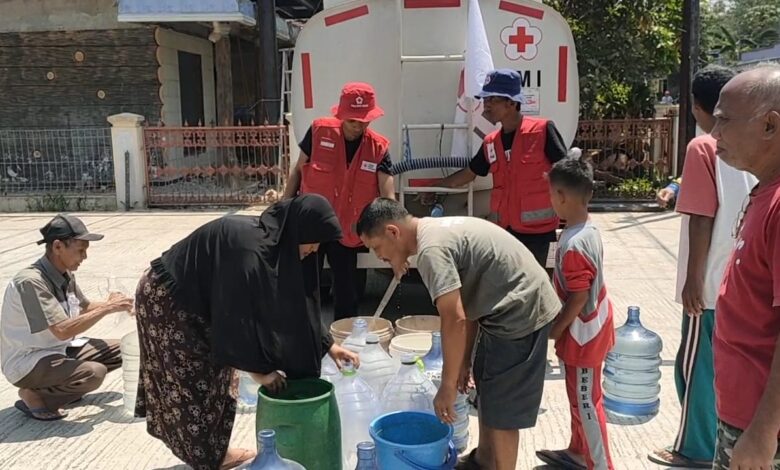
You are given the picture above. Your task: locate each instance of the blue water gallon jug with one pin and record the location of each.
(434, 361)
(632, 371)
(366, 452)
(437, 210)
(268, 457)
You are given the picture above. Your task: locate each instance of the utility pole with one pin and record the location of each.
(688, 66)
(269, 92)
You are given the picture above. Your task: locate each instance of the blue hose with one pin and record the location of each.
(432, 162)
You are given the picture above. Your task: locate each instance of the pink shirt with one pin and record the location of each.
(699, 191)
(709, 188)
(747, 322)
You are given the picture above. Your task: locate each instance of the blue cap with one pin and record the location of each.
(506, 83)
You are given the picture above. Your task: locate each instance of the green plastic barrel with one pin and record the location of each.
(305, 417)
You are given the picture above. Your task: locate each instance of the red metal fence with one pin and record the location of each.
(214, 165)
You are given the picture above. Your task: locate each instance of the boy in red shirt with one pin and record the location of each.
(583, 331)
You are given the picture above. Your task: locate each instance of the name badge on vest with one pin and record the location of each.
(368, 166)
(328, 144)
(491, 148)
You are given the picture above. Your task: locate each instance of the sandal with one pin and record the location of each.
(41, 414)
(559, 459)
(668, 457)
(469, 462)
(245, 457)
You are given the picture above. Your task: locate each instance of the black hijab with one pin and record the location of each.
(245, 277)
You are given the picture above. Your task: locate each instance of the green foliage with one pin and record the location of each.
(730, 28)
(752, 18)
(621, 46)
(56, 202)
(637, 188)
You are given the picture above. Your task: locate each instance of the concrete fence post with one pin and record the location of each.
(127, 143)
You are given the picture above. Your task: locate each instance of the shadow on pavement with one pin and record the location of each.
(633, 222)
(81, 419)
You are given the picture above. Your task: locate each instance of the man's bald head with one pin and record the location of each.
(760, 86)
(747, 121)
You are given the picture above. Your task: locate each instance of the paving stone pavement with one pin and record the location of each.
(640, 265)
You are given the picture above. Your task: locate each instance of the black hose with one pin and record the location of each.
(432, 162)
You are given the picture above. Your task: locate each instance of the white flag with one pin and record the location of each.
(477, 65)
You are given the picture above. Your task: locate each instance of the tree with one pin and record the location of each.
(731, 28)
(621, 46)
(752, 18)
(730, 46)
(713, 16)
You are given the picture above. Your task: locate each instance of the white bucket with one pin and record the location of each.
(413, 343)
(341, 329)
(131, 364)
(417, 324)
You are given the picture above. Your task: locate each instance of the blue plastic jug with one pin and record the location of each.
(632, 370)
(366, 452)
(268, 457)
(434, 359)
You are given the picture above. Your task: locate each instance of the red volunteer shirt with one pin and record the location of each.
(748, 310)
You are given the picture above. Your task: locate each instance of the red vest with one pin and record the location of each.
(521, 192)
(348, 189)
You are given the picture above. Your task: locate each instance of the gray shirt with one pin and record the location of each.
(502, 286)
(35, 299)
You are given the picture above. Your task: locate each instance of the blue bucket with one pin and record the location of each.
(413, 440)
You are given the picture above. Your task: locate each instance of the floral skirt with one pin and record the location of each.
(188, 401)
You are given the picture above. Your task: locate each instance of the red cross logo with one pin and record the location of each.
(520, 39)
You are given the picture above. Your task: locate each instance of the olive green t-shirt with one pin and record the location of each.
(501, 284)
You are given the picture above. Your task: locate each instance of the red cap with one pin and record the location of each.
(358, 102)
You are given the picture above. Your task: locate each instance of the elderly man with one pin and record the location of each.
(43, 312)
(489, 291)
(747, 326)
(348, 163)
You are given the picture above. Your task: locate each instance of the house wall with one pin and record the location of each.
(245, 78)
(768, 54)
(58, 15)
(66, 79)
(170, 43)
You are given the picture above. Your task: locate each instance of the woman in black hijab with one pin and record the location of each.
(238, 293)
